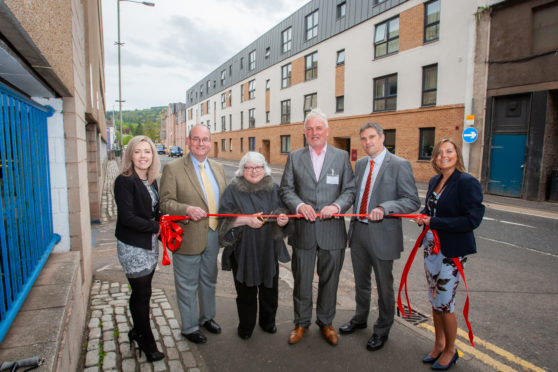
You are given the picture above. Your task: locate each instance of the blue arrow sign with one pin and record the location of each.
(470, 135)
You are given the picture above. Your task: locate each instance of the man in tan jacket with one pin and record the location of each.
(192, 186)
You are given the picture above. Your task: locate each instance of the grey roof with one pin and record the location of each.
(357, 11)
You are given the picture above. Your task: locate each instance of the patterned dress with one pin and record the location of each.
(136, 261)
(442, 275)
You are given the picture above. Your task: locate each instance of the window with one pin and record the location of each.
(230, 122)
(432, 21)
(310, 102)
(385, 93)
(286, 76)
(267, 116)
(208, 86)
(223, 145)
(252, 60)
(389, 141)
(341, 9)
(252, 89)
(429, 85)
(311, 67)
(241, 119)
(286, 39)
(241, 92)
(386, 38)
(252, 118)
(251, 143)
(426, 143)
(230, 144)
(340, 104)
(223, 100)
(223, 124)
(267, 84)
(340, 57)
(241, 63)
(267, 52)
(223, 75)
(230, 70)
(286, 111)
(545, 28)
(241, 145)
(311, 25)
(285, 144)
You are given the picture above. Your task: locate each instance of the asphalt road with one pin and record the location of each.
(512, 281)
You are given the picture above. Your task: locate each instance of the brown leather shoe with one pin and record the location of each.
(329, 334)
(296, 334)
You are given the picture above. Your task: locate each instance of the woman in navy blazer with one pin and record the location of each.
(454, 209)
(137, 199)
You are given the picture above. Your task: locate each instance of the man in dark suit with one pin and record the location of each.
(317, 179)
(385, 185)
(192, 186)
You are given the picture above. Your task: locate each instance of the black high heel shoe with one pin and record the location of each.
(133, 336)
(149, 347)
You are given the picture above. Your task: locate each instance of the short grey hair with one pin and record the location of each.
(252, 157)
(371, 124)
(316, 113)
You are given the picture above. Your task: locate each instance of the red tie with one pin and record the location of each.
(364, 200)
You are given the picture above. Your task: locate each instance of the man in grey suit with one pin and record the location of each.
(385, 185)
(320, 178)
(192, 186)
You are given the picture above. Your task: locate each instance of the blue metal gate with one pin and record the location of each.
(26, 234)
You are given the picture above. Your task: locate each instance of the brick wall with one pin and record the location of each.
(340, 81)
(411, 28)
(297, 71)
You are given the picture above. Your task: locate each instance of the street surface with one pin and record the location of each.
(512, 281)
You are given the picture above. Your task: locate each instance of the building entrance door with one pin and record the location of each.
(508, 144)
(265, 150)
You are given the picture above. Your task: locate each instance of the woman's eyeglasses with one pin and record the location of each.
(254, 169)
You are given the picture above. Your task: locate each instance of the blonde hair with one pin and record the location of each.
(460, 166)
(128, 165)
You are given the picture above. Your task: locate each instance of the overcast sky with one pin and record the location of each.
(173, 45)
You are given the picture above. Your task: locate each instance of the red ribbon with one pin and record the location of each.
(171, 237)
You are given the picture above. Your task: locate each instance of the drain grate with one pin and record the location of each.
(416, 318)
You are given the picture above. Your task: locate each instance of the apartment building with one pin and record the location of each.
(406, 64)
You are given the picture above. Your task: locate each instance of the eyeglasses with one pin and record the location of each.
(254, 169)
(204, 140)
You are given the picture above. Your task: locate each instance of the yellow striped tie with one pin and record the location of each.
(211, 203)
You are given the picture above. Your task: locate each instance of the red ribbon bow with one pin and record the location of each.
(171, 235)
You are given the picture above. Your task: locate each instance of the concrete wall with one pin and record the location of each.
(513, 25)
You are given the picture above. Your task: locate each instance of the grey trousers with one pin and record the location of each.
(196, 276)
(329, 266)
(364, 260)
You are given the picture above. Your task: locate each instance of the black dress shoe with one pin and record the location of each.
(351, 326)
(376, 342)
(244, 334)
(212, 326)
(269, 329)
(196, 337)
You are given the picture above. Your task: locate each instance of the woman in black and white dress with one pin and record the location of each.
(137, 228)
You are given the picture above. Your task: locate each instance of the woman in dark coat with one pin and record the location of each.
(253, 246)
(454, 208)
(137, 228)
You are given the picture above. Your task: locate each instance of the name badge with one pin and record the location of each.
(332, 178)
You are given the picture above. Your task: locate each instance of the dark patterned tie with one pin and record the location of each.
(364, 201)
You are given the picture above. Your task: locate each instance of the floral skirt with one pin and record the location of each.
(442, 276)
(138, 262)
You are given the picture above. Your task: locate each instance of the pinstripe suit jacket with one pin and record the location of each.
(299, 185)
(180, 188)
